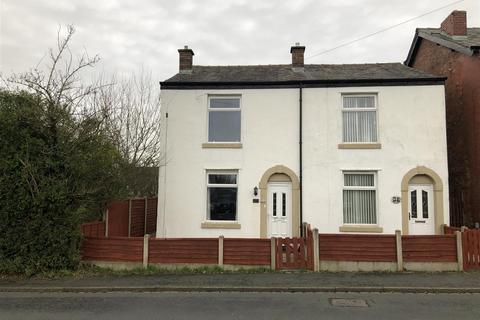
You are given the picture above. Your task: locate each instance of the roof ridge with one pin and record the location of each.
(289, 65)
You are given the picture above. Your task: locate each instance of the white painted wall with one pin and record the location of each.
(411, 121)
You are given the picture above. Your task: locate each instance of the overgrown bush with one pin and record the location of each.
(55, 172)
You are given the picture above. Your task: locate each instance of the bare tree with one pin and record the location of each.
(130, 108)
(59, 84)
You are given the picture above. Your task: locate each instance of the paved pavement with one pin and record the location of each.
(237, 305)
(269, 282)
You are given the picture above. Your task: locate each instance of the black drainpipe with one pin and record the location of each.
(300, 87)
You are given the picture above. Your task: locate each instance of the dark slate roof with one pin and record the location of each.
(468, 44)
(313, 75)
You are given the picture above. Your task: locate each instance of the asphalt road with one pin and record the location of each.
(191, 305)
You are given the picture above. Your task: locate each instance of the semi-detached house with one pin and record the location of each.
(256, 150)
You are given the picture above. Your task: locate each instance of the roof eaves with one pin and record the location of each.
(295, 83)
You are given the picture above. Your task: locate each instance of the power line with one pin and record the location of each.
(382, 30)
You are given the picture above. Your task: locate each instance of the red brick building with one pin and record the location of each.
(453, 50)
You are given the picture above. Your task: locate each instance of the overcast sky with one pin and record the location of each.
(129, 34)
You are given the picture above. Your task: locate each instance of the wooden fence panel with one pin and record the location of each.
(244, 251)
(93, 229)
(188, 250)
(113, 249)
(117, 219)
(450, 230)
(137, 219)
(471, 249)
(435, 248)
(151, 219)
(357, 247)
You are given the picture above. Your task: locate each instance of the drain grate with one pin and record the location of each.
(359, 303)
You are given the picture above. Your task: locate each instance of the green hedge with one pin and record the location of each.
(56, 171)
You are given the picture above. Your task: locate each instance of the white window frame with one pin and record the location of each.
(239, 109)
(375, 188)
(215, 185)
(375, 101)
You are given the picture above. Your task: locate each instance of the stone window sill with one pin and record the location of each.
(221, 225)
(222, 145)
(359, 146)
(360, 228)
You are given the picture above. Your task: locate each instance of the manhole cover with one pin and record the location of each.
(348, 302)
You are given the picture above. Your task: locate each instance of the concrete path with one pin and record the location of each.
(260, 282)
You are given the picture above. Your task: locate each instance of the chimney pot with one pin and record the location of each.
(297, 52)
(186, 60)
(455, 24)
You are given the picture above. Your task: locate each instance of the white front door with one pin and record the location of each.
(279, 208)
(420, 209)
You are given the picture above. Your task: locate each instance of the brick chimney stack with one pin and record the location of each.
(186, 60)
(297, 52)
(456, 23)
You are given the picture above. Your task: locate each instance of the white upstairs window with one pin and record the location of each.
(224, 119)
(359, 114)
(359, 198)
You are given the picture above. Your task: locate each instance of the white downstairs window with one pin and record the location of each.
(359, 114)
(222, 193)
(359, 198)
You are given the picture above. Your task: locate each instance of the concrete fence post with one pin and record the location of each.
(316, 251)
(273, 264)
(145, 250)
(106, 224)
(220, 251)
(458, 236)
(398, 242)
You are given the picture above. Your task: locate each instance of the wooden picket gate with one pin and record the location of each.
(296, 252)
(471, 249)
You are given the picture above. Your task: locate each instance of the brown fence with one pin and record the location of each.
(133, 217)
(429, 248)
(353, 247)
(471, 248)
(247, 251)
(117, 218)
(116, 249)
(195, 251)
(93, 229)
(450, 230)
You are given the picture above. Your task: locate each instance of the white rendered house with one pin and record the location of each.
(254, 151)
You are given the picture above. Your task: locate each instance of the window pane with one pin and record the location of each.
(222, 178)
(222, 203)
(274, 204)
(350, 127)
(284, 207)
(413, 203)
(359, 126)
(425, 204)
(224, 126)
(367, 126)
(359, 180)
(359, 102)
(224, 103)
(359, 206)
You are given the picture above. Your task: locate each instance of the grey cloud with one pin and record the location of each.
(131, 34)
